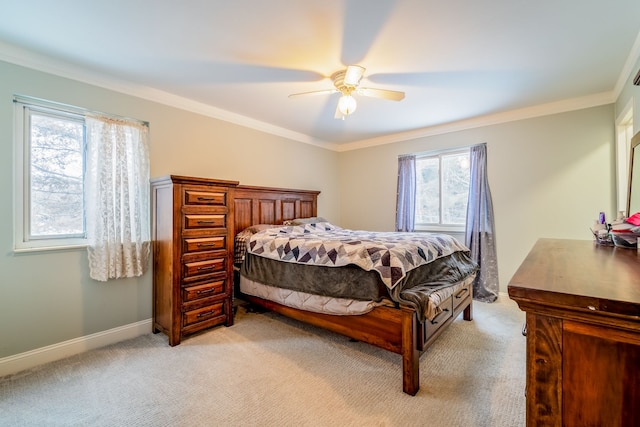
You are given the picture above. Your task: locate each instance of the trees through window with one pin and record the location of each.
(50, 151)
(442, 189)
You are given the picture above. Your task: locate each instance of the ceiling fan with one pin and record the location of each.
(347, 82)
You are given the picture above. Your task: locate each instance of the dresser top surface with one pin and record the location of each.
(179, 179)
(579, 273)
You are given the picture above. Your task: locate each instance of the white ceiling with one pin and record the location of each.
(458, 61)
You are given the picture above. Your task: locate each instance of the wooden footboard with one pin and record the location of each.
(392, 329)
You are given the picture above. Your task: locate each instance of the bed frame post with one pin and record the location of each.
(468, 311)
(410, 352)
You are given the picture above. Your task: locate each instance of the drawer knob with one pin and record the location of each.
(206, 222)
(205, 291)
(205, 245)
(208, 267)
(206, 199)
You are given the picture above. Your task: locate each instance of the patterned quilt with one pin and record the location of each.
(390, 254)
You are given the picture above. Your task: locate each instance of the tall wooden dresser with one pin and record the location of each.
(192, 232)
(582, 304)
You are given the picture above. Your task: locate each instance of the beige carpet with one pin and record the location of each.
(270, 371)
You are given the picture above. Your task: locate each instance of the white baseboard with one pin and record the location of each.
(19, 362)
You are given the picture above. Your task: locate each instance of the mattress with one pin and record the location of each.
(340, 306)
(422, 288)
(306, 301)
(324, 268)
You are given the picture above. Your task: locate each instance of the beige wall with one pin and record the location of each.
(48, 297)
(549, 176)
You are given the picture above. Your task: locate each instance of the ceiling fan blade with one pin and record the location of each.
(353, 75)
(315, 92)
(363, 22)
(392, 95)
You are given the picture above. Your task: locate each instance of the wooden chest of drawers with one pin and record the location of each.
(192, 231)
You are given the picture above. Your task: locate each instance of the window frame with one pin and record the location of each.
(440, 227)
(23, 241)
(624, 133)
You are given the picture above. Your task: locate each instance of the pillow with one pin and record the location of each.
(302, 221)
(259, 227)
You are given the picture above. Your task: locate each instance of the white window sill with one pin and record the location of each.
(48, 249)
(440, 229)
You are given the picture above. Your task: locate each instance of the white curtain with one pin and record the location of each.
(480, 230)
(117, 197)
(406, 195)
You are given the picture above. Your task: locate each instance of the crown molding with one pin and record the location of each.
(29, 59)
(39, 62)
(563, 106)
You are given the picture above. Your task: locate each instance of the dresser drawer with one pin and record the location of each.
(207, 198)
(209, 312)
(435, 324)
(204, 290)
(193, 221)
(198, 268)
(461, 296)
(204, 244)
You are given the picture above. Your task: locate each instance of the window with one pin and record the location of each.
(442, 190)
(50, 159)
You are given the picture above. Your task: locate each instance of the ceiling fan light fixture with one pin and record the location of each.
(347, 104)
(346, 82)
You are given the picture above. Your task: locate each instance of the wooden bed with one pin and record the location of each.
(394, 329)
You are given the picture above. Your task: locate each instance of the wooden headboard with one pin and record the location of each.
(265, 205)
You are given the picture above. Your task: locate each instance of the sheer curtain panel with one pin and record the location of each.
(117, 197)
(406, 196)
(480, 229)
